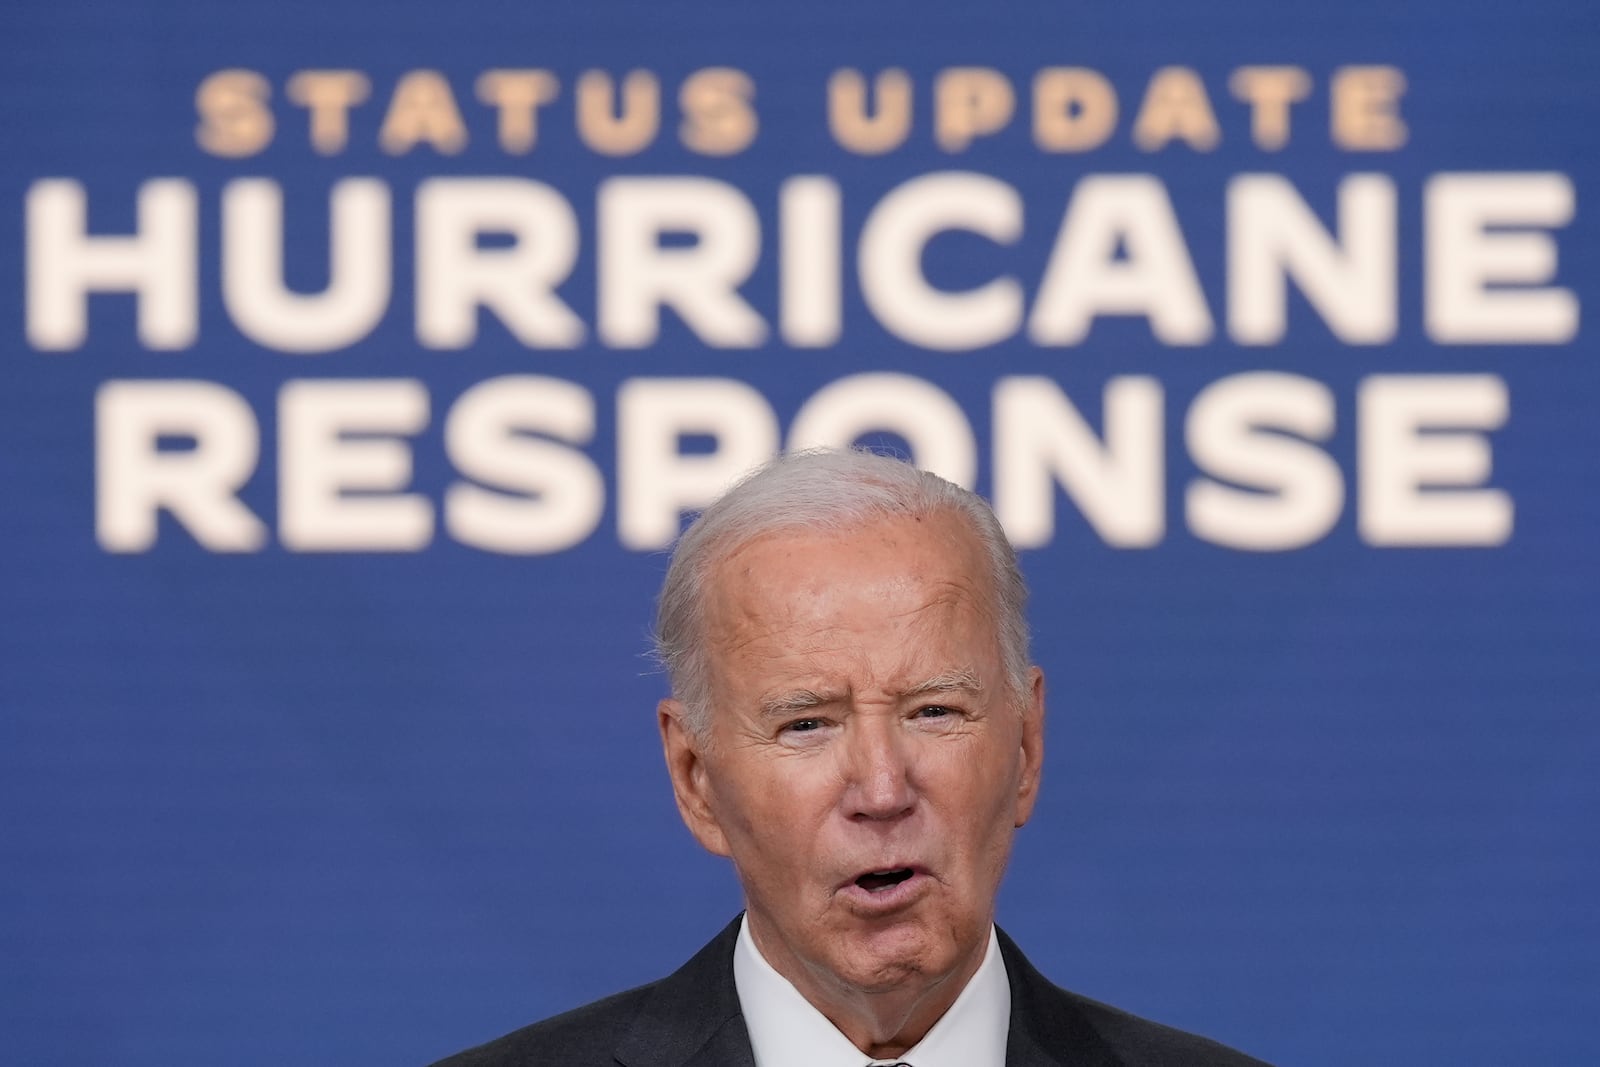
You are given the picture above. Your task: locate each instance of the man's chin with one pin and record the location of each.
(882, 957)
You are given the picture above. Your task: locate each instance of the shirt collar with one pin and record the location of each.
(786, 1031)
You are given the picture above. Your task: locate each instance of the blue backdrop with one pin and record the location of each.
(284, 780)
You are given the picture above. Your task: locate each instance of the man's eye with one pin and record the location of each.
(804, 726)
(934, 711)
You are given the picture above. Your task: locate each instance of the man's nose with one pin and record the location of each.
(880, 770)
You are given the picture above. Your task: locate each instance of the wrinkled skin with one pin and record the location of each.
(860, 722)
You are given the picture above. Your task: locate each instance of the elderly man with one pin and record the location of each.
(855, 723)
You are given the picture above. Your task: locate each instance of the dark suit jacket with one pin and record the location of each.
(692, 1019)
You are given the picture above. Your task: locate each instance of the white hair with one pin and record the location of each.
(833, 490)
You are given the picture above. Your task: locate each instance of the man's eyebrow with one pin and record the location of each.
(959, 680)
(792, 702)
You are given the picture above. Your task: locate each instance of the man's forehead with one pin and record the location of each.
(855, 577)
(940, 537)
(794, 617)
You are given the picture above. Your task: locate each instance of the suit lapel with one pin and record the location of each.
(1023, 1051)
(1047, 1030)
(692, 1018)
(729, 1046)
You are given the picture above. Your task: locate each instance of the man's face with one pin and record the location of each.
(867, 763)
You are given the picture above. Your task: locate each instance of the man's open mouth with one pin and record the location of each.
(877, 881)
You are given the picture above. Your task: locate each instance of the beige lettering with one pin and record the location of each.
(1366, 108)
(970, 102)
(1270, 92)
(1176, 107)
(850, 118)
(234, 118)
(423, 109)
(329, 95)
(518, 95)
(718, 119)
(1074, 109)
(609, 132)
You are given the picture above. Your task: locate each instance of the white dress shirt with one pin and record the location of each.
(786, 1031)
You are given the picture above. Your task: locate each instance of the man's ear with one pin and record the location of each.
(1032, 746)
(691, 786)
